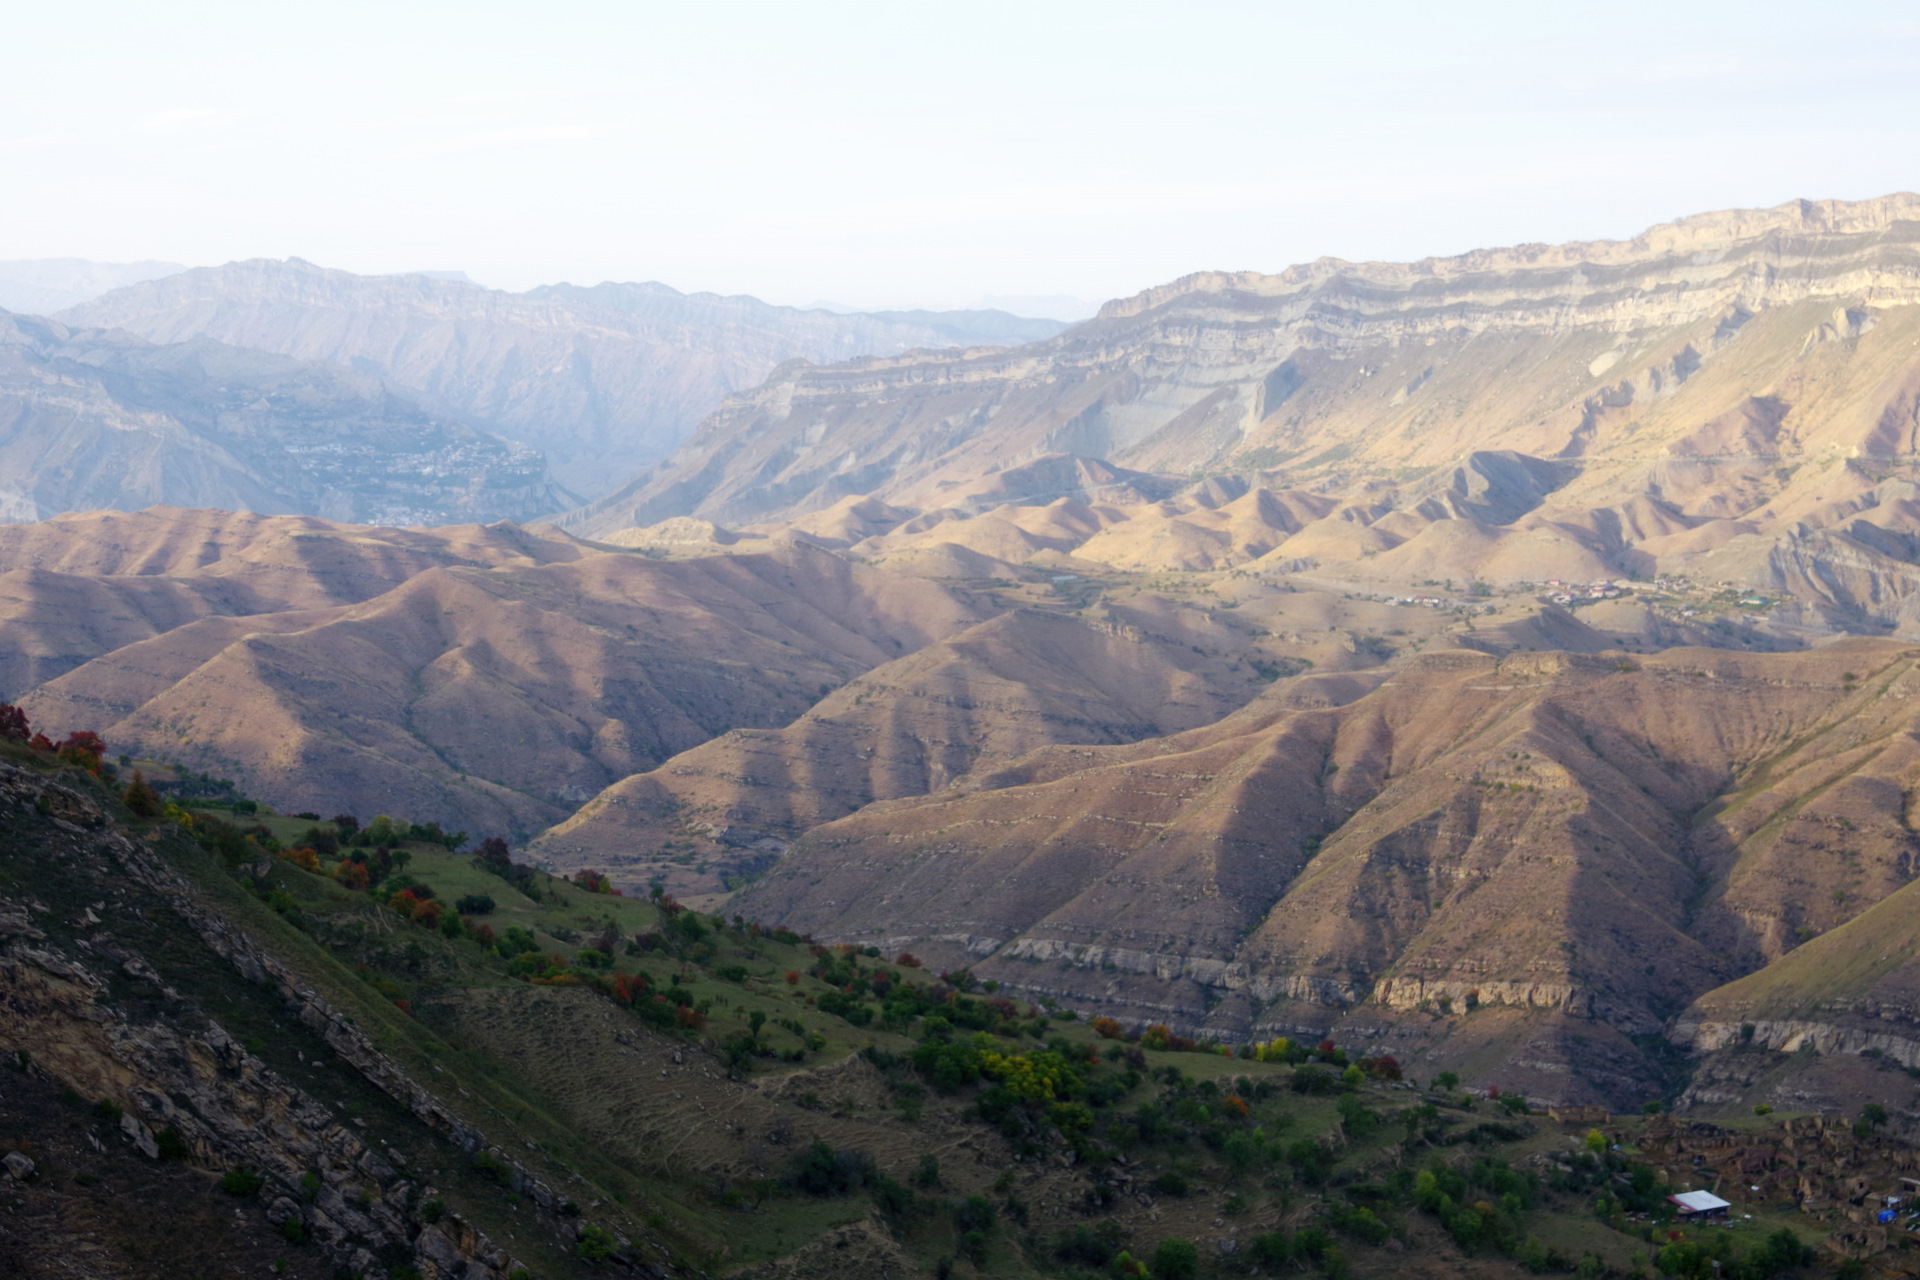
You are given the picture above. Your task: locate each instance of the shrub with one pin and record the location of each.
(597, 1244)
(1176, 1259)
(1108, 1029)
(475, 904)
(973, 1246)
(241, 1182)
(433, 1210)
(975, 1213)
(1091, 1247)
(1170, 1183)
(1270, 1251)
(1362, 1224)
(141, 799)
(173, 1145)
(821, 1170)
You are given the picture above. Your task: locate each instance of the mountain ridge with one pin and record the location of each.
(598, 388)
(1340, 358)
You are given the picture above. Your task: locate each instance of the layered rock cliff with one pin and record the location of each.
(1577, 351)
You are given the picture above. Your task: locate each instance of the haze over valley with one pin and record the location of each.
(1399, 764)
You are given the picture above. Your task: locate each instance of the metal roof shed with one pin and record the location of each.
(1700, 1202)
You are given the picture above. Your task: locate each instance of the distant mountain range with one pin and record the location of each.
(600, 380)
(101, 419)
(42, 286)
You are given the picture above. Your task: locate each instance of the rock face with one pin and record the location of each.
(92, 420)
(600, 380)
(1632, 366)
(181, 1073)
(1386, 853)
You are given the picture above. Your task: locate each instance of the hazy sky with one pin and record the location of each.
(906, 153)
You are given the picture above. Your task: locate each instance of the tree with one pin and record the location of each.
(85, 748)
(142, 800)
(1176, 1259)
(13, 724)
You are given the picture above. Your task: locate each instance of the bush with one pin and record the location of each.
(173, 1146)
(1176, 1259)
(973, 1247)
(241, 1182)
(597, 1244)
(975, 1213)
(1270, 1251)
(1170, 1183)
(1090, 1247)
(822, 1171)
(1362, 1224)
(433, 1210)
(475, 904)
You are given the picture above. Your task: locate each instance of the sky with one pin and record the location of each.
(928, 154)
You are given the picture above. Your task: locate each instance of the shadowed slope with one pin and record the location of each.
(1468, 832)
(502, 697)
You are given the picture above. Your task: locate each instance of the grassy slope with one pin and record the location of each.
(547, 1073)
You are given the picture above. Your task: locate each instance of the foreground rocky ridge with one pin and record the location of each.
(65, 1012)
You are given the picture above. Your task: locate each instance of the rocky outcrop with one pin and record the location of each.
(184, 1076)
(1327, 368)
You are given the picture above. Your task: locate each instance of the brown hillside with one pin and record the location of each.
(1522, 833)
(491, 696)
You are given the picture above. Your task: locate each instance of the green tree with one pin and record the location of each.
(1176, 1259)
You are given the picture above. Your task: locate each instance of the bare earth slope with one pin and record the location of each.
(912, 726)
(1512, 835)
(492, 678)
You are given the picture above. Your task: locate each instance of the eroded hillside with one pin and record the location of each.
(1397, 849)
